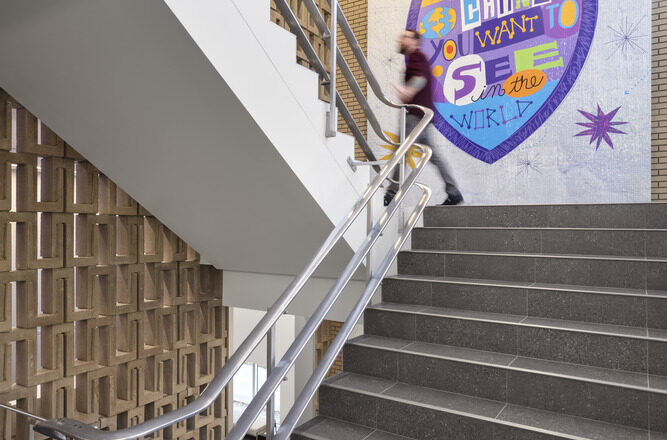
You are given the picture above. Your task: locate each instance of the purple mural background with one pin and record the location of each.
(484, 65)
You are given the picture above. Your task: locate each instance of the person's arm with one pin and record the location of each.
(409, 90)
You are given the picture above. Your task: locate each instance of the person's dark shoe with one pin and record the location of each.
(388, 198)
(451, 201)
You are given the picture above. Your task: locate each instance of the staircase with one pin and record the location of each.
(187, 124)
(513, 323)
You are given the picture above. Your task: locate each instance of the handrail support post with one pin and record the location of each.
(332, 114)
(401, 175)
(369, 226)
(270, 363)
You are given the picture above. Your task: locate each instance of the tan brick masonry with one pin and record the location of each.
(659, 103)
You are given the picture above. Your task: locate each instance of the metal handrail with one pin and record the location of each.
(60, 428)
(23, 413)
(358, 52)
(78, 430)
(32, 418)
(275, 379)
(309, 390)
(317, 65)
(356, 131)
(315, 61)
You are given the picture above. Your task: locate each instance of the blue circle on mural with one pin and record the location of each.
(501, 67)
(437, 22)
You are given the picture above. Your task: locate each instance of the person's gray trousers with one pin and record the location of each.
(437, 159)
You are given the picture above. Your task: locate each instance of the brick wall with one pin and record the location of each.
(659, 106)
(106, 315)
(356, 12)
(308, 26)
(323, 339)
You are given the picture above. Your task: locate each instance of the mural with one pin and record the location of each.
(538, 101)
(501, 67)
(600, 126)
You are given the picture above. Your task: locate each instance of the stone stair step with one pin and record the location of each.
(326, 428)
(588, 270)
(585, 241)
(627, 307)
(608, 395)
(599, 345)
(640, 216)
(514, 323)
(429, 414)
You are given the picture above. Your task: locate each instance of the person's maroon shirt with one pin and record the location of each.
(417, 65)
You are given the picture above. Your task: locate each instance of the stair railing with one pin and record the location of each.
(338, 60)
(32, 418)
(65, 428)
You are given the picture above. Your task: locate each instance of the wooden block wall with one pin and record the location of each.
(659, 105)
(106, 316)
(356, 12)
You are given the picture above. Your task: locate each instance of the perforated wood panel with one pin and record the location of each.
(106, 316)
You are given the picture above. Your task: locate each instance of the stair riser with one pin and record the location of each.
(639, 216)
(336, 435)
(578, 271)
(633, 311)
(414, 421)
(559, 345)
(571, 242)
(584, 399)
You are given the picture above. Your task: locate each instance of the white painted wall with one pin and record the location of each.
(192, 118)
(287, 327)
(254, 290)
(244, 320)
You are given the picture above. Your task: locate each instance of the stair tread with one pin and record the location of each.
(575, 426)
(440, 311)
(327, 428)
(626, 379)
(489, 410)
(539, 228)
(523, 320)
(547, 205)
(436, 350)
(586, 326)
(535, 255)
(533, 285)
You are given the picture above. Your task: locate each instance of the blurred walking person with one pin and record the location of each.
(417, 90)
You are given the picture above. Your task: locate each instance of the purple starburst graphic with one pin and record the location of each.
(600, 127)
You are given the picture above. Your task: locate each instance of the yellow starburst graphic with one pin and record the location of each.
(413, 152)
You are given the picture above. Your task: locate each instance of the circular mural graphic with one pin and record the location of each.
(501, 67)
